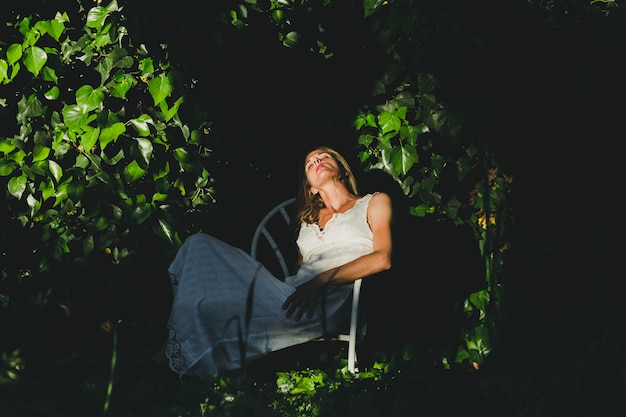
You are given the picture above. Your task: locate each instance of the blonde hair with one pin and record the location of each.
(308, 205)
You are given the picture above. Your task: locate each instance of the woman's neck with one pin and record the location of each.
(337, 200)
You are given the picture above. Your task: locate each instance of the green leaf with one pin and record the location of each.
(142, 152)
(141, 212)
(388, 122)
(49, 74)
(160, 87)
(47, 190)
(141, 124)
(96, 17)
(29, 108)
(34, 59)
(75, 191)
(53, 93)
(56, 27)
(4, 68)
(182, 155)
(146, 66)
(370, 6)
(89, 138)
(14, 53)
(6, 167)
(89, 98)
(17, 186)
(40, 152)
(421, 210)
(291, 39)
(171, 112)
(6, 146)
(164, 229)
(121, 84)
(74, 117)
(34, 205)
(61, 193)
(111, 133)
(133, 172)
(55, 170)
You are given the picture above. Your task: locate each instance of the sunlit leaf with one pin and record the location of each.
(53, 93)
(14, 53)
(111, 133)
(34, 59)
(17, 185)
(96, 17)
(89, 138)
(141, 124)
(144, 148)
(133, 172)
(89, 98)
(160, 88)
(40, 152)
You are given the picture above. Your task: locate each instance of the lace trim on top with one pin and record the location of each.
(319, 232)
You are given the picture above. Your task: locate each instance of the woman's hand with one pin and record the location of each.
(303, 299)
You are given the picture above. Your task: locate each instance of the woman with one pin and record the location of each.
(229, 310)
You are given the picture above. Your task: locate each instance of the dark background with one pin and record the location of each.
(544, 87)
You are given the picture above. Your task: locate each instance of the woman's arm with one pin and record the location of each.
(379, 217)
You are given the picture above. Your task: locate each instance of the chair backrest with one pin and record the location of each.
(270, 235)
(269, 243)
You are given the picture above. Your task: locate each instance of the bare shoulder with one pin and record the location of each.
(380, 203)
(380, 198)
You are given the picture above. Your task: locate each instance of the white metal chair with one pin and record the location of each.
(271, 228)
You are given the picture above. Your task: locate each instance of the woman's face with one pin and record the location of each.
(319, 165)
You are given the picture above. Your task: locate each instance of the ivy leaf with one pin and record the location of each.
(141, 124)
(53, 93)
(388, 122)
(40, 153)
(89, 98)
(370, 6)
(172, 111)
(96, 17)
(75, 191)
(4, 68)
(165, 230)
(89, 138)
(133, 172)
(111, 133)
(17, 185)
(142, 212)
(291, 39)
(6, 167)
(28, 108)
(121, 84)
(6, 147)
(14, 53)
(160, 87)
(34, 59)
(49, 74)
(75, 118)
(55, 170)
(142, 152)
(403, 158)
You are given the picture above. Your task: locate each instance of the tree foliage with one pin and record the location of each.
(100, 156)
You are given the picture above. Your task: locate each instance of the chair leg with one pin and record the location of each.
(352, 356)
(353, 327)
